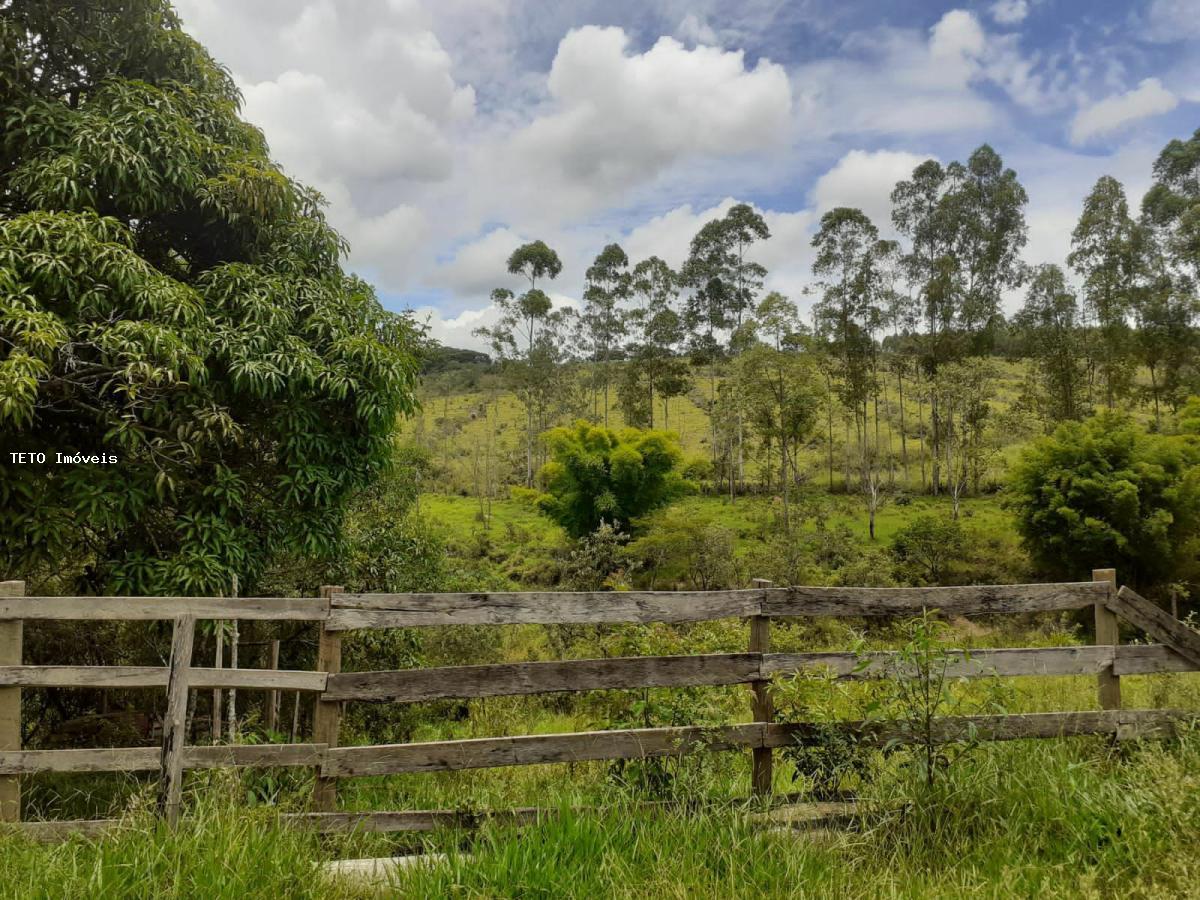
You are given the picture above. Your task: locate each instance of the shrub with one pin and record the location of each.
(1104, 492)
(599, 475)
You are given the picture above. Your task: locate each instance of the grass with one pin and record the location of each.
(1068, 818)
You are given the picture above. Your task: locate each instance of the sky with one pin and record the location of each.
(445, 133)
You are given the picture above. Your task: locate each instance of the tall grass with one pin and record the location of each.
(1067, 818)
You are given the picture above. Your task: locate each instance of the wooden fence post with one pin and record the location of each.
(273, 695)
(1108, 685)
(762, 765)
(327, 714)
(170, 778)
(10, 705)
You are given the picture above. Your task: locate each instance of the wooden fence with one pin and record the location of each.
(1177, 650)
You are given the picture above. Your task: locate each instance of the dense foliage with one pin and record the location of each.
(1104, 492)
(169, 297)
(599, 475)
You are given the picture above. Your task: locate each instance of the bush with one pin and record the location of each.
(600, 475)
(926, 550)
(1104, 493)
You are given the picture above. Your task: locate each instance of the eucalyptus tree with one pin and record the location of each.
(172, 301)
(782, 405)
(1106, 252)
(987, 214)
(656, 368)
(966, 226)
(1171, 209)
(724, 285)
(1173, 203)
(529, 340)
(604, 319)
(1053, 336)
(846, 243)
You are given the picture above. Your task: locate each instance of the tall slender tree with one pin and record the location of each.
(1105, 253)
(528, 340)
(604, 319)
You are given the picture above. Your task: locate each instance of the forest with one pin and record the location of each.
(243, 417)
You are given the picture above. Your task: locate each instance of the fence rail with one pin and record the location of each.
(1177, 650)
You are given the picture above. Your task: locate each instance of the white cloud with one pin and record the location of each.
(1009, 12)
(865, 180)
(480, 266)
(617, 119)
(1168, 21)
(1113, 113)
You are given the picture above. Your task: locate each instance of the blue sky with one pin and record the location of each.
(445, 133)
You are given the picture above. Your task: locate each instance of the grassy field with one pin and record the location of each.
(1078, 818)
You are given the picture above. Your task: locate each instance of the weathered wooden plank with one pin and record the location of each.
(969, 600)
(150, 608)
(1146, 659)
(1005, 662)
(762, 708)
(1108, 683)
(327, 714)
(11, 642)
(156, 677)
(259, 679)
(244, 756)
(1123, 723)
(146, 759)
(538, 607)
(478, 753)
(384, 821)
(62, 829)
(170, 772)
(1159, 624)
(509, 679)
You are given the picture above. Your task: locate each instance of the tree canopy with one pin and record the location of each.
(170, 297)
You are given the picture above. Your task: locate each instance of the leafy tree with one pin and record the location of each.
(1173, 202)
(781, 405)
(599, 475)
(529, 341)
(1105, 253)
(927, 548)
(683, 545)
(604, 320)
(966, 227)
(1104, 492)
(168, 296)
(1050, 323)
(724, 285)
(656, 368)
(987, 209)
(846, 244)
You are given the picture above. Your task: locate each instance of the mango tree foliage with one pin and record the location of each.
(599, 475)
(168, 296)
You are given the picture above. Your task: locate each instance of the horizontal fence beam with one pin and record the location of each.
(146, 759)
(510, 679)
(1121, 723)
(642, 743)
(156, 677)
(427, 820)
(625, 673)
(280, 609)
(350, 611)
(539, 608)
(983, 663)
(970, 600)
(482, 753)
